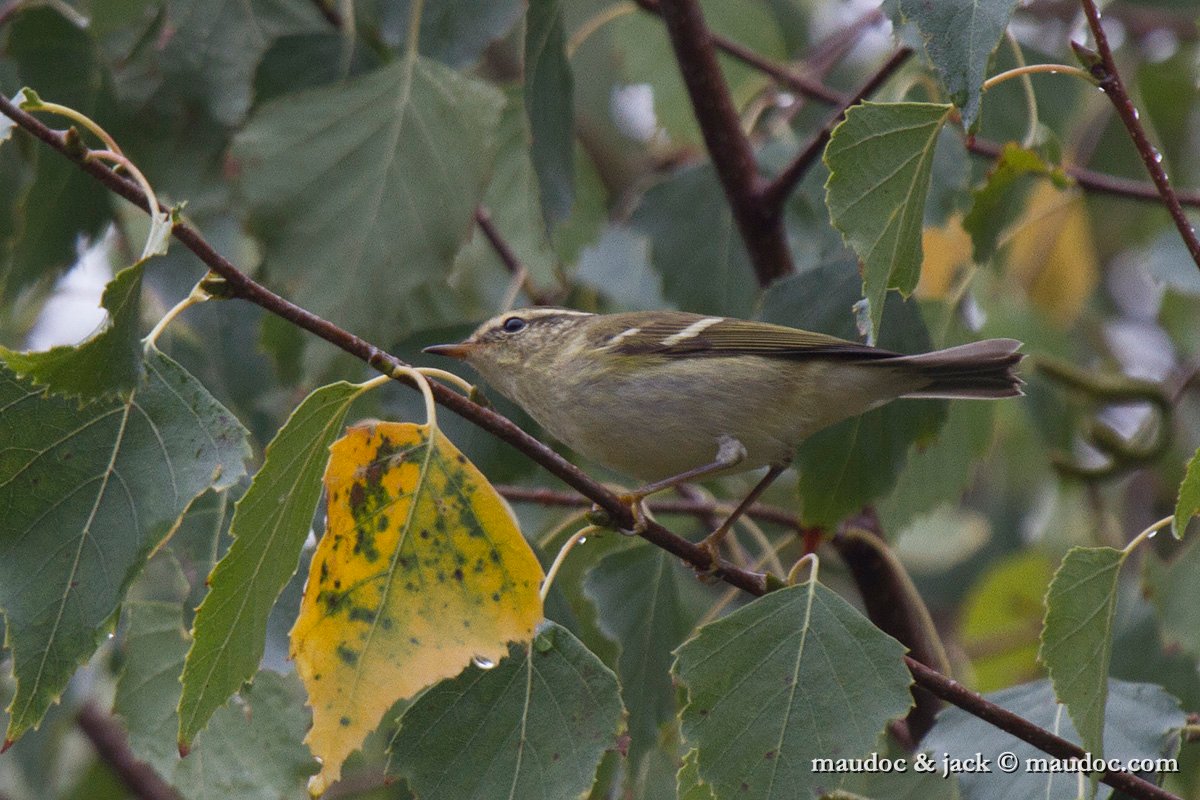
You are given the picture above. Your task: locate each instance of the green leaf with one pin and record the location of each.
(1141, 721)
(943, 470)
(62, 204)
(960, 37)
(1171, 587)
(535, 725)
(270, 524)
(998, 202)
(512, 201)
(856, 461)
(549, 102)
(688, 780)
(87, 493)
(107, 363)
(401, 155)
(1187, 504)
(454, 32)
(880, 159)
(640, 606)
(695, 246)
(793, 676)
(215, 48)
(1077, 636)
(148, 689)
(253, 748)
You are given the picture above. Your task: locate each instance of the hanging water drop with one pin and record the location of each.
(582, 540)
(482, 662)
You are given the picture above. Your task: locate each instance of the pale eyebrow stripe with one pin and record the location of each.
(691, 330)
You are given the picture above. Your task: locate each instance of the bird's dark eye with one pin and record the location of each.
(513, 325)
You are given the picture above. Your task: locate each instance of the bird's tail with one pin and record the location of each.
(979, 370)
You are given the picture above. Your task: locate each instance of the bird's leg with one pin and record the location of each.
(730, 453)
(712, 542)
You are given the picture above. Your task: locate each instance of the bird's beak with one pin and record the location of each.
(459, 351)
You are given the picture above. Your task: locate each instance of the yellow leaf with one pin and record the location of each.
(946, 249)
(421, 569)
(1052, 254)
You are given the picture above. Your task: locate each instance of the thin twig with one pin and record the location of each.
(112, 746)
(1105, 70)
(691, 507)
(241, 286)
(1096, 182)
(762, 231)
(1088, 179)
(483, 218)
(330, 13)
(776, 194)
(800, 83)
(974, 704)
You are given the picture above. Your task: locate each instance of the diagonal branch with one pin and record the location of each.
(761, 230)
(776, 194)
(112, 746)
(242, 286)
(1089, 179)
(1105, 70)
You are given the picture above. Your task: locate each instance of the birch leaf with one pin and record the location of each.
(421, 569)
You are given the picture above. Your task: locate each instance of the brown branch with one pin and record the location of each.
(690, 507)
(112, 746)
(1088, 179)
(483, 218)
(776, 194)
(330, 13)
(1104, 69)
(799, 83)
(761, 230)
(976, 705)
(1096, 182)
(241, 286)
(893, 604)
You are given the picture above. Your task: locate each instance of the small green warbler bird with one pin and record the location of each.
(667, 397)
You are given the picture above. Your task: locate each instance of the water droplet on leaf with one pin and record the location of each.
(482, 662)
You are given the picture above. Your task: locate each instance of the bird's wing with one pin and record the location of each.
(678, 334)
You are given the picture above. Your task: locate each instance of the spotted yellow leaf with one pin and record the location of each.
(421, 569)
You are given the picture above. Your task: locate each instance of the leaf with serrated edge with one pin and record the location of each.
(538, 723)
(108, 362)
(421, 569)
(880, 159)
(960, 37)
(1077, 636)
(402, 155)
(793, 676)
(638, 602)
(87, 493)
(252, 749)
(1187, 505)
(270, 524)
